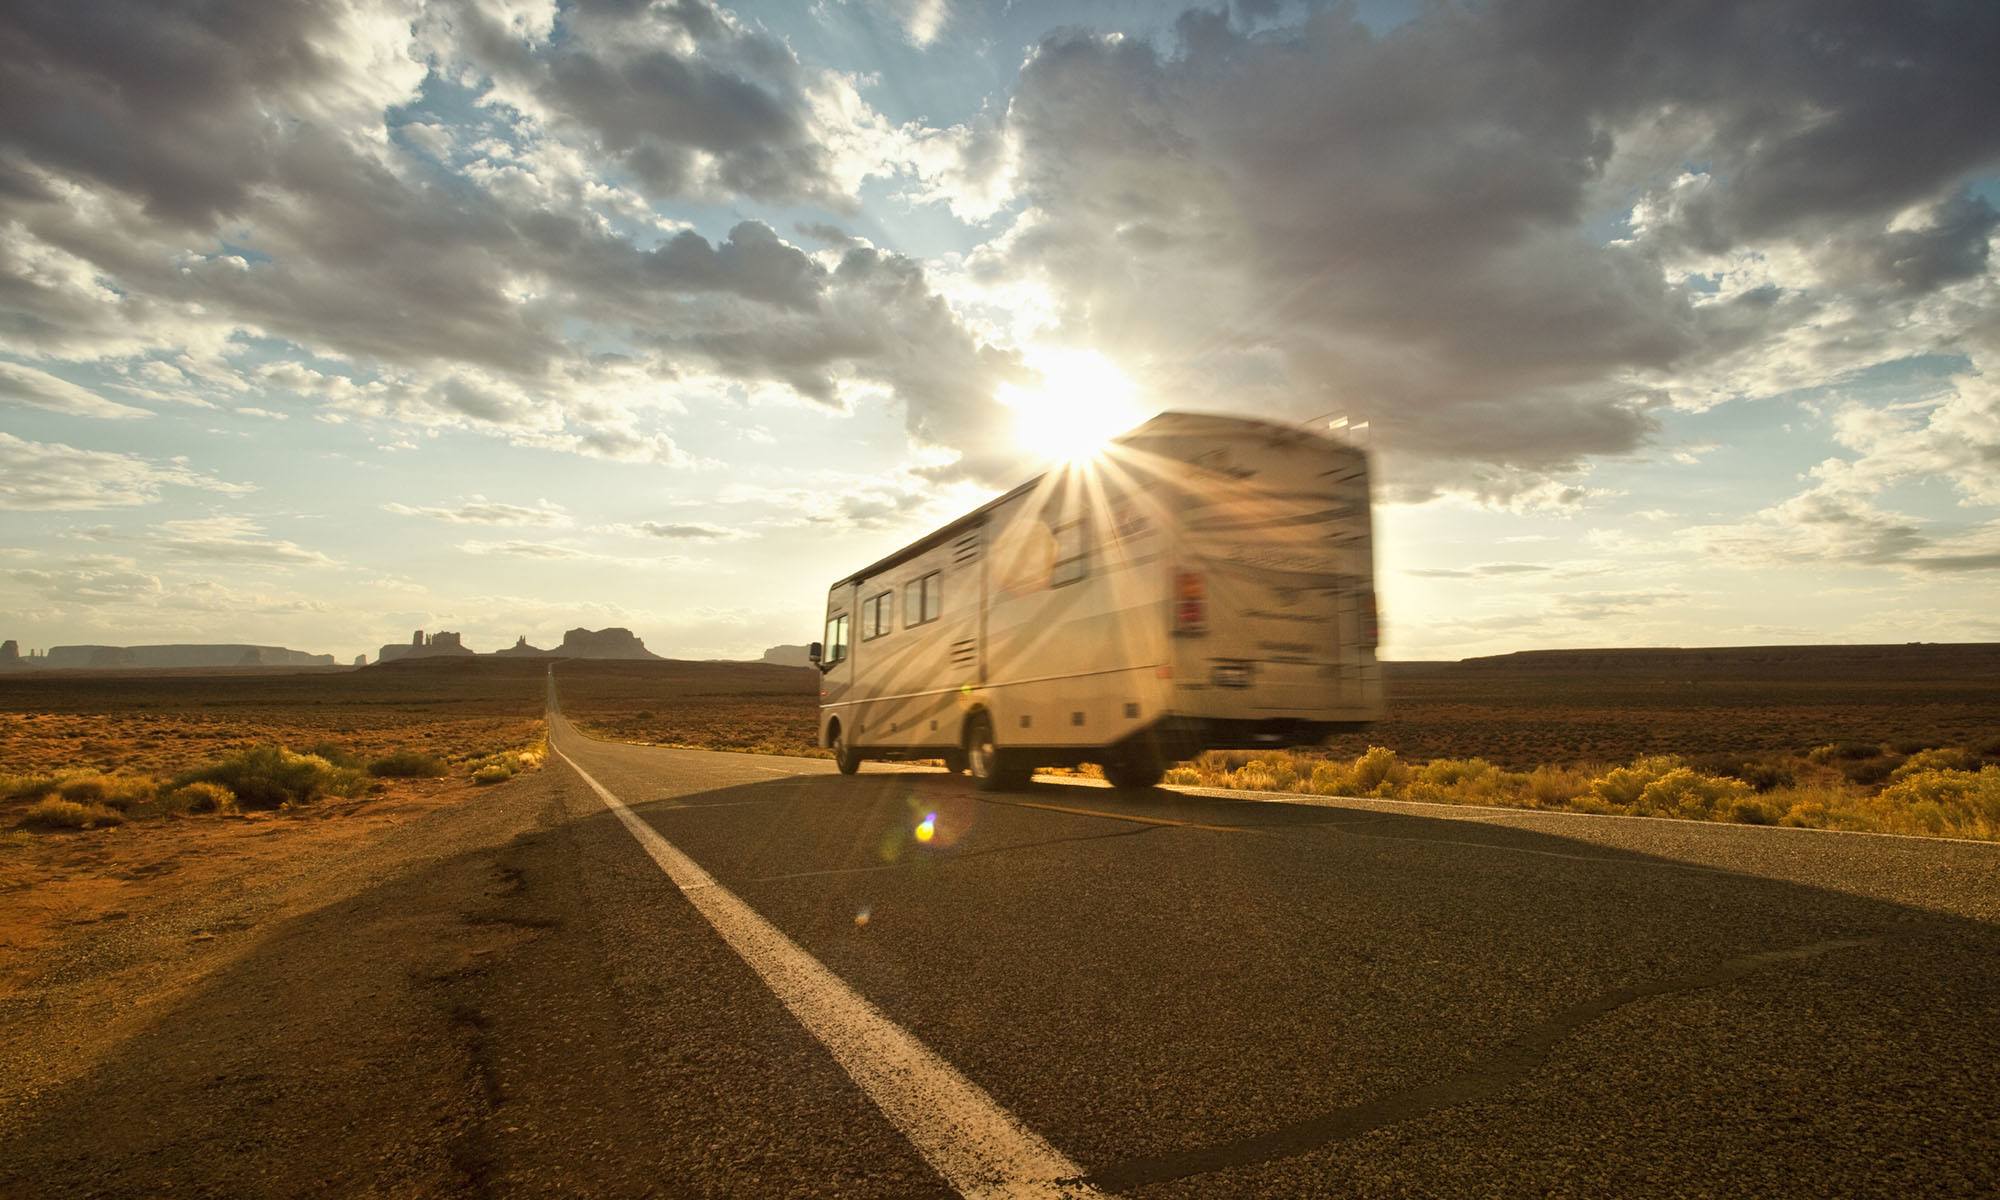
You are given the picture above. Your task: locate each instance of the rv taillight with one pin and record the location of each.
(1190, 604)
(1371, 622)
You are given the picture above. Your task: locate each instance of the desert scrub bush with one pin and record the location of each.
(1463, 781)
(1848, 751)
(1869, 772)
(1931, 797)
(200, 797)
(15, 787)
(499, 768)
(1378, 768)
(335, 753)
(1934, 760)
(1762, 774)
(1556, 787)
(271, 776)
(1263, 775)
(54, 812)
(112, 791)
(408, 764)
(1330, 778)
(1620, 787)
(1941, 802)
(1751, 810)
(1688, 794)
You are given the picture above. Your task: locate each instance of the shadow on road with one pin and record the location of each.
(1159, 1001)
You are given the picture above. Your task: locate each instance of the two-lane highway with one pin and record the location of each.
(654, 972)
(1194, 995)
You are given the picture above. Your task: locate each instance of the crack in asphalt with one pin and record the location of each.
(1481, 1081)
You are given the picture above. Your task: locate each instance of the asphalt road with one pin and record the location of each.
(888, 985)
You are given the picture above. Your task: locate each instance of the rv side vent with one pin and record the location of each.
(965, 549)
(963, 653)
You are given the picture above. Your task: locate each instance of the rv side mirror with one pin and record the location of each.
(814, 653)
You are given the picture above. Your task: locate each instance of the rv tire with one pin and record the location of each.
(1135, 766)
(993, 769)
(845, 756)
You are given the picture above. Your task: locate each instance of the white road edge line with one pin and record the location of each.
(980, 1148)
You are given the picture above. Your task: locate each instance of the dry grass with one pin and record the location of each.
(175, 744)
(408, 764)
(1927, 800)
(499, 768)
(54, 812)
(160, 724)
(751, 707)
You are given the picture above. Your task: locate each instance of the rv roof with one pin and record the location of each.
(1162, 423)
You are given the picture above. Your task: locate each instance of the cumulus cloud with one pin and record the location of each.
(1420, 227)
(54, 476)
(686, 97)
(1949, 434)
(168, 205)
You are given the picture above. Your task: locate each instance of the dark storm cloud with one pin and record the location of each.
(1953, 248)
(159, 100)
(1416, 227)
(685, 98)
(878, 315)
(1821, 111)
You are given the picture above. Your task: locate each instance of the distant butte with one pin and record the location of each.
(603, 643)
(787, 656)
(112, 658)
(577, 643)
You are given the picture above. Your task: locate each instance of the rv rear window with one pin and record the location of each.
(836, 639)
(923, 599)
(878, 615)
(1072, 560)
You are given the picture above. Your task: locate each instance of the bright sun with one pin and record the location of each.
(1082, 402)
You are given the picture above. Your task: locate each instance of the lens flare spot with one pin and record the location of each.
(927, 828)
(861, 919)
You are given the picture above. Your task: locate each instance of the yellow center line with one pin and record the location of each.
(1119, 816)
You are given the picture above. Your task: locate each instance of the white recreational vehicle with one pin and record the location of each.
(1205, 582)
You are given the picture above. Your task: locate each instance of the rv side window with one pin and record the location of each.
(878, 616)
(1072, 561)
(836, 639)
(923, 599)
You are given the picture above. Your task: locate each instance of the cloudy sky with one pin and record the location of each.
(325, 321)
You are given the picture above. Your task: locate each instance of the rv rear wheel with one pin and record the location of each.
(1135, 767)
(845, 756)
(993, 769)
